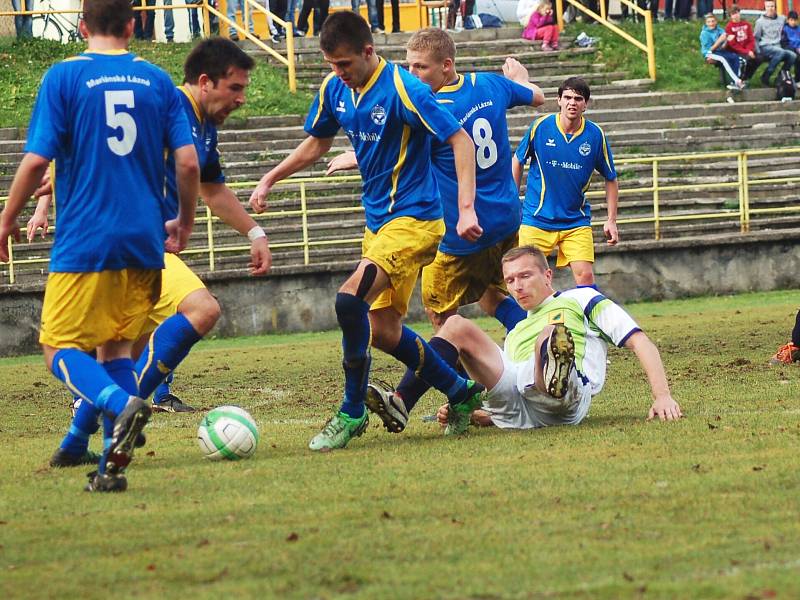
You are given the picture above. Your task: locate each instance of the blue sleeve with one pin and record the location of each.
(179, 133)
(522, 149)
(515, 94)
(48, 126)
(420, 108)
(321, 122)
(211, 171)
(604, 164)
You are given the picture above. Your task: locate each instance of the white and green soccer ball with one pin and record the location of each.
(228, 433)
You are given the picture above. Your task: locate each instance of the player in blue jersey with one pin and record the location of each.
(216, 75)
(565, 149)
(463, 272)
(554, 360)
(390, 118)
(105, 117)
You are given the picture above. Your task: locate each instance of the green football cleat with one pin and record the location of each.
(559, 360)
(339, 430)
(458, 415)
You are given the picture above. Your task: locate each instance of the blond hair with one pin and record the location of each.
(433, 41)
(537, 255)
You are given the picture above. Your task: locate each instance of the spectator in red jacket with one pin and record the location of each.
(741, 40)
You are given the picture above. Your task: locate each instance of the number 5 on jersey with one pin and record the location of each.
(120, 120)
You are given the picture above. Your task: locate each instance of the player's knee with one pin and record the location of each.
(453, 328)
(202, 310)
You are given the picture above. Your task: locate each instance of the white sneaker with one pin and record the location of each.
(383, 401)
(559, 361)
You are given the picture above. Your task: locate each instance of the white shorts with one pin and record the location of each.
(513, 403)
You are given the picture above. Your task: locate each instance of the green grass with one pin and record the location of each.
(679, 66)
(22, 64)
(616, 507)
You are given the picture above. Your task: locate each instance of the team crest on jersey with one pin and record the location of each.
(550, 142)
(340, 107)
(556, 316)
(585, 149)
(378, 114)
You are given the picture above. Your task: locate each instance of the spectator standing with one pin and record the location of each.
(23, 24)
(541, 27)
(194, 19)
(278, 7)
(790, 39)
(741, 41)
(233, 5)
(145, 19)
(704, 7)
(169, 22)
(712, 48)
(291, 7)
(372, 13)
(320, 10)
(768, 30)
(395, 15)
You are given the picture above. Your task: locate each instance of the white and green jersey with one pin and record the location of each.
(592, 319)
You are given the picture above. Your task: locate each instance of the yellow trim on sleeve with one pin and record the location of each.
(322, 87)
(401, 160)
(406, 100)
(195, 106)
(605, 150)
(118, 52)
(544, 187)
(78, 57)
(453, 87)
(371, 82)
(574, 135)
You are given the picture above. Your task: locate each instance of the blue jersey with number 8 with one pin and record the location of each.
(107, 119)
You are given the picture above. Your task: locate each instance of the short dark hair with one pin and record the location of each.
(537, 255)
(792, 14)
(345, 28)
(107, 17)
(577, 85)
(215, 56)
(734, 9)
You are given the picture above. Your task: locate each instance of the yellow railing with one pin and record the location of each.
(648, 47)
(741, 185)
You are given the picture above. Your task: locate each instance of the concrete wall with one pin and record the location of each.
(302, 299)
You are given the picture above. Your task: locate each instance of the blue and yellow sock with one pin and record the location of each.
(84, 424)
(353, 316)
(425, 363)
(509, 313)
(168, 346)
(162, 391)
(122, 371)
(87, 379)
(411, 387)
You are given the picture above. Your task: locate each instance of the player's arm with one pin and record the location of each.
(346, 161)
(464, 153)
(225, 205)
(612, 202)
(516, 171)
(26, 180)
(664, 407)
(306, 154)
(187, 176)
(516, 72)
(39, 220)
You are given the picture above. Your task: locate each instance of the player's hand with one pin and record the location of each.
(345, 161)
(468, 227)
(7, 229)
(611, 233)
(177, 236)
(441, 415)
(37, 221)
(731, 37)
(515, 71)
(45, 186)
(260, 257)
(666, 409)
(258, 199)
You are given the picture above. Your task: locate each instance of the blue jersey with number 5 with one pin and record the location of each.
(479, 101)
(107, 119)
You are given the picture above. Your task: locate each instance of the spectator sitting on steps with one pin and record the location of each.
(741, 41)
(712, 44)
(790, 40)
(769, 27)
(541, 27)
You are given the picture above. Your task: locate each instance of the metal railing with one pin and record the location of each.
(741, 185)
(648, 46)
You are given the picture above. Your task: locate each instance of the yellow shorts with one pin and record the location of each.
(177, 282)
(401, 248)
(573, 244)
(452, 281)
(86, 310)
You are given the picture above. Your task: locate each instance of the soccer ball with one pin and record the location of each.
(228, 432)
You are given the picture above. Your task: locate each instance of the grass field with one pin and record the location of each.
(617, 507)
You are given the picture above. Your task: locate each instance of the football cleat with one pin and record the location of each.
(459, 415)
(388, 405)
(106, 482)
(786, 355)
(62, 458)
(559, 359)
(127, 427)
(338, 431)
(172, 404)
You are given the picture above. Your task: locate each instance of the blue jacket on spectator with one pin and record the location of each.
(708, 37)
(790, 37)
